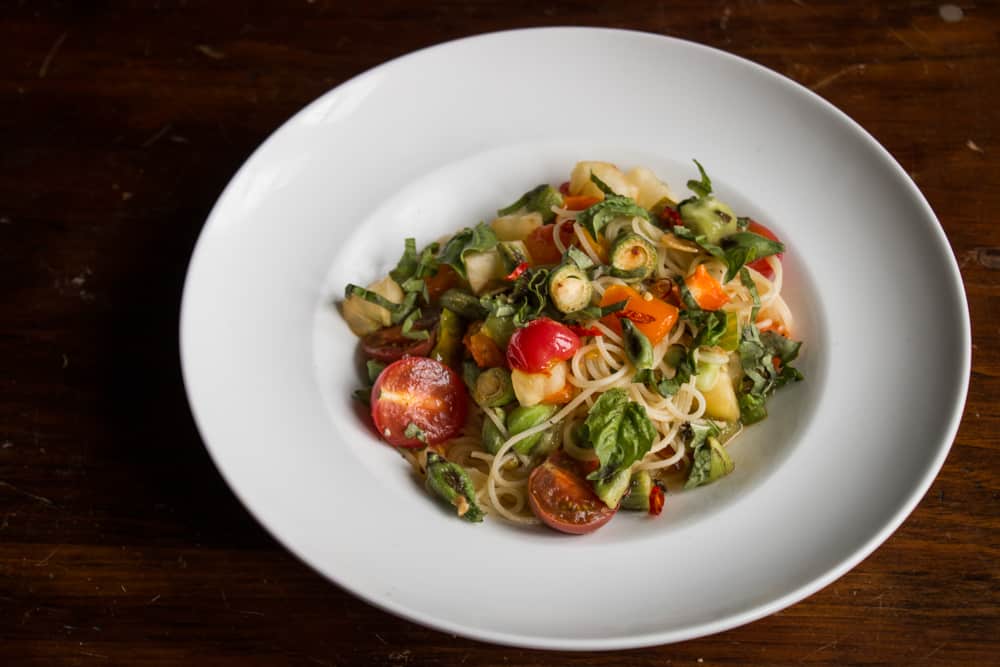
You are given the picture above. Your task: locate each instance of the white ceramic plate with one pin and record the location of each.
(438, 140)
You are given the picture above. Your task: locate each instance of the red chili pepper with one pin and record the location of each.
(585, 331)
(670, 215)
(656, 500)
(564, 187)
(518, 270)
(635, 316)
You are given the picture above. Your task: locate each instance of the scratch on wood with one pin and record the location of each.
(41, 499)
(379, 637)
(51, 55)
(912, 48)
(49, 557)
(935, 650)
(93, 655)
(819, 650)
(973, 146)
(210, 52)
(159, 134)
(824, 82)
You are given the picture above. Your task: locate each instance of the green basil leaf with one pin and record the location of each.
(478, 239)
(613, 206)
(620, 432)
(703, 187)
(539, 199)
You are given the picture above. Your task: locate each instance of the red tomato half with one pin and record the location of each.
(542, 342)
(761, 265)
(563, 499)
(422, 392)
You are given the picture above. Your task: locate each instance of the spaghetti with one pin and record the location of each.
(637, 336)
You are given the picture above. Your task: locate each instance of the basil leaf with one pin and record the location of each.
(701, 466)
(613, 206)
(752, 288)
(702, 188)
(414, 431)
(539, 199)
(594, 312)
(408, 331)
(761, 377)
(525, 302)
(620, 432)
(578, 257)
(478, 239)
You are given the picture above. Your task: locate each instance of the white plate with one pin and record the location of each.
(438, 140)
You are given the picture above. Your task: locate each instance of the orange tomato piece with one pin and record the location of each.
(663, 314)
(440, 282)
(561, 397)
(579, 202)
(484, 350)
(706, 290)
(542, 247)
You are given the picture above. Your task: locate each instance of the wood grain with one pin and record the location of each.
(121, 123)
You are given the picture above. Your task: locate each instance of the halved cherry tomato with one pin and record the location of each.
(390, 344)
(535, 347)
(664, 314)
(561, 497)
(706, 290)
(761, 265)
(422, 392)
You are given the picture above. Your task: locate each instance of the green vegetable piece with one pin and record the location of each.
(637, 498)
(708, 217)
(413, 268)
(522, 418)
(470, 373)
(463, 303)
(513, 253)
(721, 464)
(374, 369)
(706, 375)
(701, 465)
(638, 349)
(539, 199)
(478, 239)
(569, 288)
(752, 408)
(633, 258)
(493, 388)
(450, 481)
(493, 439)
(499, 328)
(448, 347)
(620, 432)
(730, 339)
(612, 489)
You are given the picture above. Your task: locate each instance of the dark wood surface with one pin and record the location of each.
(120, 122)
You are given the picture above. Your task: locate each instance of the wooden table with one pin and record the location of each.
(119, 542)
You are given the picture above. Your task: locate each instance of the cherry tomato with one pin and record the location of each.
(390, 344)
(563, 499)
(542, 342)
(423, 395)
(542, 248)
(761, 265)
